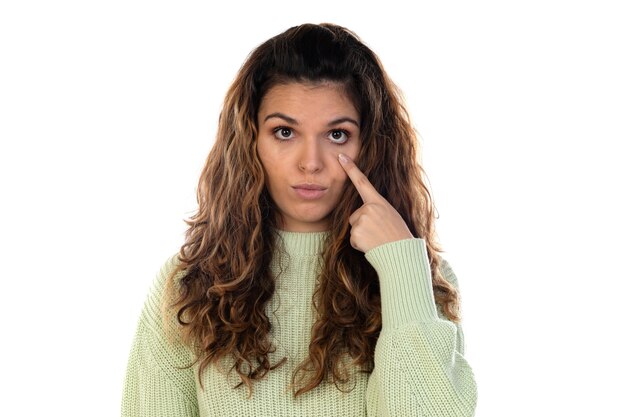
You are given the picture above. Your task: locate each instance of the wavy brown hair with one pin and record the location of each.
(219, 301)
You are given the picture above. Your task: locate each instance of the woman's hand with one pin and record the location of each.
(376, 222)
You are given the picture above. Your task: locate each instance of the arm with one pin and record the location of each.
(419, 368)
(154, 386)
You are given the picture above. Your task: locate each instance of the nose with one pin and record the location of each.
(310, 157)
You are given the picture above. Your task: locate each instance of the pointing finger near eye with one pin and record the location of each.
(363, 186)
(376, 222)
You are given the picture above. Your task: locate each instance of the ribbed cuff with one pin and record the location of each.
(406, 287)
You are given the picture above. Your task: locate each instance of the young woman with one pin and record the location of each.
(310, 282)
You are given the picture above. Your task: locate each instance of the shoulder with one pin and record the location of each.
(159, 293)
(166, 267)
(157, 350)
(164, 276)
(448, 272)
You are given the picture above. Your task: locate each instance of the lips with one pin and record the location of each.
(309, 187)
(310, 191)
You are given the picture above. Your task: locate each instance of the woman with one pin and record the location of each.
(309, 283)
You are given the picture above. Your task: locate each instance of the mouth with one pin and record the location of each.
(309, 191)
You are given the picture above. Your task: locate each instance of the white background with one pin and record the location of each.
(108, 110)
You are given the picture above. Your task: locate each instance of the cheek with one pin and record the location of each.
(266, 157)
(355, 150)
(352, 149)
(271, 173)
(271, 158)
(261, 153)
(352, 152)
(340, 177)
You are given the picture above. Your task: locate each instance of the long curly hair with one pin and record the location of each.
(218, 302)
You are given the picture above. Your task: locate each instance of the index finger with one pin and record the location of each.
(364, 187)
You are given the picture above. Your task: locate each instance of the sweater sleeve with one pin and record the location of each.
(154, 385)
(419, 367)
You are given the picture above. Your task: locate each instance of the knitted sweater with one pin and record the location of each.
(419, 367)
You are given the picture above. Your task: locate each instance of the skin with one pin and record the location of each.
(376, 222)
(309, 153)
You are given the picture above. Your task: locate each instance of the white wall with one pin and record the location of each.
(108, 110)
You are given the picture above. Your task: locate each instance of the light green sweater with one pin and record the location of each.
(419, 366)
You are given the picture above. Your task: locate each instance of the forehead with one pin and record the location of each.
(295, 96)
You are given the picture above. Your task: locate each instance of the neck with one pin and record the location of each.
(301, 243)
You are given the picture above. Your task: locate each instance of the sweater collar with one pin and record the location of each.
(302, 243)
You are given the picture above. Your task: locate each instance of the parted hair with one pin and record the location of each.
(218, 302)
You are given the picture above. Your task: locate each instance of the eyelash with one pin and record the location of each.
(279, 128)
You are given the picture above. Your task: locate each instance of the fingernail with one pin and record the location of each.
(342, 158)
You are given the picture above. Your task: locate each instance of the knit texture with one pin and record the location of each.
(420, 368)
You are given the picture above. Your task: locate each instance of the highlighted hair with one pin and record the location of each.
(219, 303)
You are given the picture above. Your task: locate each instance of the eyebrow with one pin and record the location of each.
(295, 122)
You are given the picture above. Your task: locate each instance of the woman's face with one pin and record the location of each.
(301, 130)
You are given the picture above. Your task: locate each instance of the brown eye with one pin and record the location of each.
(282, 133)
(336, 136)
